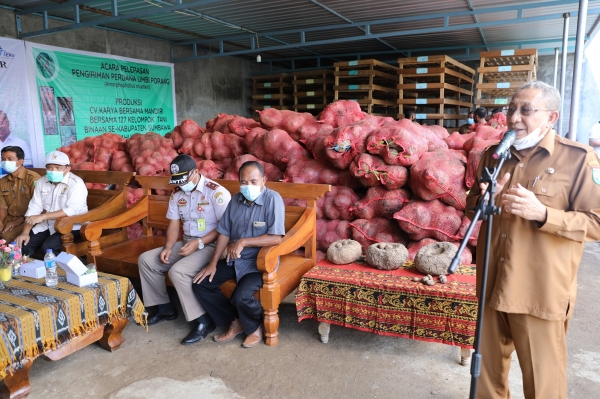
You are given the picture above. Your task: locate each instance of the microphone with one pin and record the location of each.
(505, 143)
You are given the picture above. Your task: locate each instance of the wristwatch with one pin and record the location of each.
(200, 243)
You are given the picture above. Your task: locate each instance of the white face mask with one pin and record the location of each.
(531, 140)
(9, 166)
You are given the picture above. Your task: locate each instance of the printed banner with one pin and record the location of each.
(83, 94)
(16, 117)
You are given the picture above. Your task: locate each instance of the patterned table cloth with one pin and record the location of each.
(390, 303)
(35, 318)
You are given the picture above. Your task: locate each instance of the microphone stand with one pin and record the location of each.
(485, 210)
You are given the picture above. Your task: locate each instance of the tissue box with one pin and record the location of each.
(33, 269)
(82, 280)
(75, 270)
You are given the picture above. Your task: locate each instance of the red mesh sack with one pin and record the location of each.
(429, 219)
(221, 146)
(439, 131)
(341, 113)
(329, 231)
(274, 146)
(474, 159)
(121, 161)
(347, 142)
(190, 129)
(498, 121)
(289, 121)
(310, 130)
(313, 171)
(369, 232)
(223, 164)
(209, 169)
(463, 231)
(222, 123)
(456, 141)
(272, 172)
(440, 175)
(380, 203)
(240, 125)
(396, 144)
(371, 171)
(335, 205)
(316, 144)
(151, 154)
(466, 258)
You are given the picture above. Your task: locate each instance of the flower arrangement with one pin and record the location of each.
(9, 254)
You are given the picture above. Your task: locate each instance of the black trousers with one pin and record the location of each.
(243, 304)
(46, 241)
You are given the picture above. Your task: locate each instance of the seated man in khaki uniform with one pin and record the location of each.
(16, 190)
(197, 205)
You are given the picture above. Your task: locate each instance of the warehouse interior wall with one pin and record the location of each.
(203, 88)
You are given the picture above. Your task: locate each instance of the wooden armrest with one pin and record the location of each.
(112, 207)
(92, 231)
(294, 239)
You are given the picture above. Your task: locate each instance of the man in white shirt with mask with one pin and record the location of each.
(198, 204)
(59, 193)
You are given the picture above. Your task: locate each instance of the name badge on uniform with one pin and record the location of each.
(259, 224)
(201, 224)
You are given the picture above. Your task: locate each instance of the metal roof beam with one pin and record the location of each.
(441, 16)
(429, 49)
(39, 9)
(113, 18)
(476, 20)
(337, 14)
(420, 31)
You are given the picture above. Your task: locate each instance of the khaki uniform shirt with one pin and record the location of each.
(201, 209)
(533, 266)
(15, 193)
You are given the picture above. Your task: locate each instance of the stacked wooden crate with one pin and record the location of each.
(369, 82)
(313, 90)
(272, 91)
(501, 73)
(438, 87)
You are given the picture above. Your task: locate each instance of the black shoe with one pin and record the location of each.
(158, 317)
(199, 332)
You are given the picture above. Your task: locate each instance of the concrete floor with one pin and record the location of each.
(353, 364)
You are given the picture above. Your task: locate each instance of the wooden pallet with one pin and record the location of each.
(272, 91)
(371, 83)
(438, 87)
(502, 73)
(313, 90)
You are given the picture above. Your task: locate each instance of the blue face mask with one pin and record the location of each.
(9, 166)
(187, 187)
(55, 176)
(470, 121)
(250, 192)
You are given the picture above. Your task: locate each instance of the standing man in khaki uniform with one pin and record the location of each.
(16, 190)
(198, 203)
(549, 194)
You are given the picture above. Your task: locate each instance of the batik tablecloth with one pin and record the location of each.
(390, 303)
(35, 318)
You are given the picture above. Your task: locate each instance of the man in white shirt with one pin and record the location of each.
(57, 194)
(7, 139)
(595, 138)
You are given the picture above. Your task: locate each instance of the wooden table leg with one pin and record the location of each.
(324, 331)
(465, 356)
(17, 385)
(112, 339)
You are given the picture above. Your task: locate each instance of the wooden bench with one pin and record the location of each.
(101, 204)
(278, 282)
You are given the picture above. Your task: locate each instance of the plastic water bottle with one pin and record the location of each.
(16, 260)
(50, 263)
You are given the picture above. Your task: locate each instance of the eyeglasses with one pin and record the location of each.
(524, 111)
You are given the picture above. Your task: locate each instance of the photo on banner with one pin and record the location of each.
(16, 116)
(78, 94)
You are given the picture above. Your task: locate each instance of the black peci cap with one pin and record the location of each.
(181, 165)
